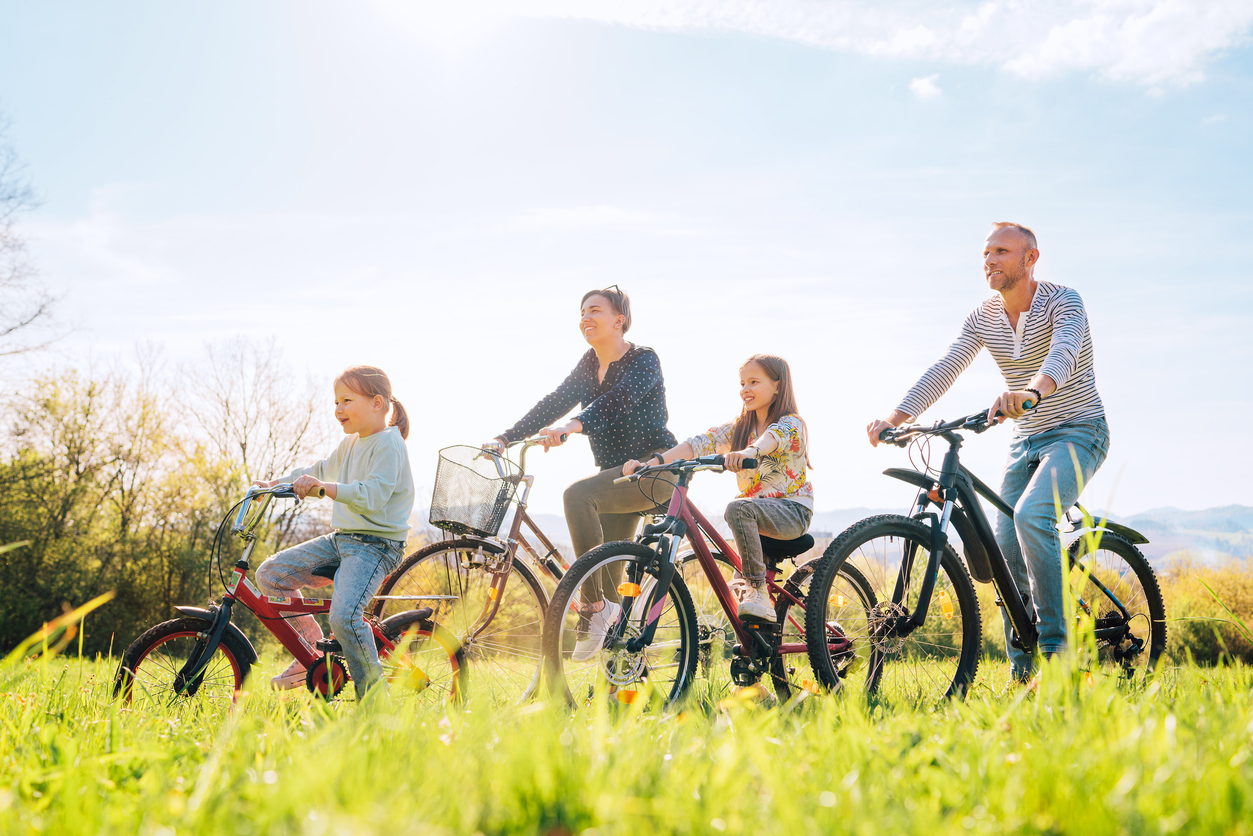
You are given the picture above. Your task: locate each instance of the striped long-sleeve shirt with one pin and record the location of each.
(1052, 338)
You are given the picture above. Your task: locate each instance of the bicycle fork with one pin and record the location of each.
(668, 545)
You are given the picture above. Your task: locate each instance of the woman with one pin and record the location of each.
(620, 387)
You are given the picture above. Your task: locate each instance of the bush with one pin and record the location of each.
(1197, 625)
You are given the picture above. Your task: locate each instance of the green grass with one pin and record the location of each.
(1076, 757)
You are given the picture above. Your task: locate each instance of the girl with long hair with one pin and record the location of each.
(776, 498)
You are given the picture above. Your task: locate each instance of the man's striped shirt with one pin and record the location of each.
(1052, 338)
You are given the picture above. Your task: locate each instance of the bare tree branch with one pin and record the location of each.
(25, 304)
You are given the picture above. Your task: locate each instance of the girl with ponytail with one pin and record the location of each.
(369, 479)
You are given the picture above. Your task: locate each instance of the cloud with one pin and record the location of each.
(1147, 42)
(925, 87)
(602, 217)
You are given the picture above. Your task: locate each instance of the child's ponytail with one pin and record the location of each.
(371, 381)
(400, 418)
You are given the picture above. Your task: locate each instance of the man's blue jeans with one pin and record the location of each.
(1037, 463)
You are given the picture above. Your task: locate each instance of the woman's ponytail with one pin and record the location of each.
(400, 418)
(372, 381)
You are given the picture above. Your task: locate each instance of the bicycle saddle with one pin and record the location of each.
(783, 549)
(327, 571)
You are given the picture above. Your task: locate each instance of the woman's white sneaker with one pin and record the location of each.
(757, 606)
(598, 625)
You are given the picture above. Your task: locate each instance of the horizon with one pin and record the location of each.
(432, 189)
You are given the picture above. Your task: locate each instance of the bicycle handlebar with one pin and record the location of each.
(689, 465)
(976, 422)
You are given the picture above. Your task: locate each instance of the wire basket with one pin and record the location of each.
(473, 491)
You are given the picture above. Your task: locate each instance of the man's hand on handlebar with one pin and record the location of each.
(1010, 405)
(876, 427)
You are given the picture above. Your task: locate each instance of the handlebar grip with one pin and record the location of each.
(1028, 404)
(749, 464)
(564, 436)
(316, 493)
(883, 434)
(621, 479)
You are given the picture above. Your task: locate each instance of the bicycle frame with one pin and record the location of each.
(958, 489)
(683, 517)
(265, 607)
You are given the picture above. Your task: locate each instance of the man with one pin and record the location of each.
(1038, 334)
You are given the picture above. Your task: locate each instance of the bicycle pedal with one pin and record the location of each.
(329, 646)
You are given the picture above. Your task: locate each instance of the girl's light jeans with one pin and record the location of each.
(363, 561)
(1036, 464)
(749, 519)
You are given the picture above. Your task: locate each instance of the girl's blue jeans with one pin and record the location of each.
(1036, 464)
(363, 561)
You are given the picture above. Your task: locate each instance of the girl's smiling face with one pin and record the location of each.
(757, 390)
(358, 413)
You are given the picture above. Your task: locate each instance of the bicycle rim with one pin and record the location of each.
(502, 646)
(619, 578)
(907, 666)
(1133, 641)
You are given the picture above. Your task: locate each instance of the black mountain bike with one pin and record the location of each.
(921, 637)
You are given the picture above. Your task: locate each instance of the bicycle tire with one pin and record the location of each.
(1143, 600)
(151, 664)
(506, 653)
(431, 666)
(852, 604)
(717, 638)
(618, 672)
(935, 661)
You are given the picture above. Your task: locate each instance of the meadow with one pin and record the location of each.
(1086, 753)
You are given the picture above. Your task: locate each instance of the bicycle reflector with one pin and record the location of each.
(629, 590)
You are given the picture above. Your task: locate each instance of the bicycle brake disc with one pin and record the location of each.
(623, 667)
(883, 618)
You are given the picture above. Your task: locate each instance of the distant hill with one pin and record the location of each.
(1213, 534)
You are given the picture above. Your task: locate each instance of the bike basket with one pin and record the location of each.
(473, 490)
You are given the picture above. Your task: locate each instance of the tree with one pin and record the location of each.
(25, 303)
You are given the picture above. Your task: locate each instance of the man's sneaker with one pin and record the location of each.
(757, 606)
(293, 677)
(591, 631)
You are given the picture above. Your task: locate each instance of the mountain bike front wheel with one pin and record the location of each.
(897, 662)
(599, 606)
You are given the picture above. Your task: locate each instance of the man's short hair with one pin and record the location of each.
(1025, 230)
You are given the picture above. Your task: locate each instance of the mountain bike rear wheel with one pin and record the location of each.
(1106, 570)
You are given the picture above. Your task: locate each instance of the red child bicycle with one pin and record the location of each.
(622, 619)
(203, 654)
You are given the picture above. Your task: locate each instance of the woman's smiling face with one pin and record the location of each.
(597, 319)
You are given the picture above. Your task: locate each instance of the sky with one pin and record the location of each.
(430, 187)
